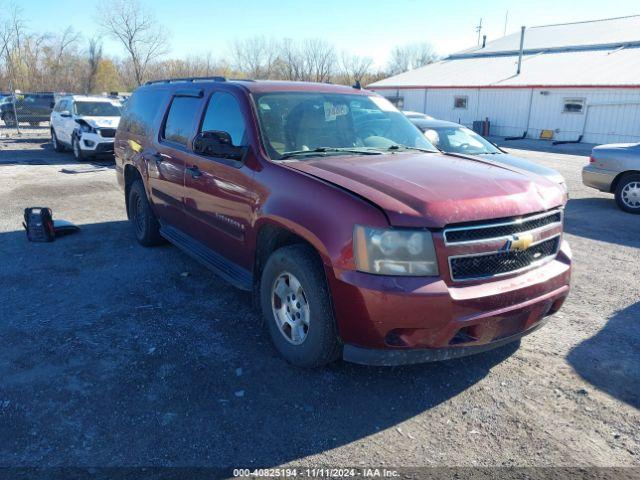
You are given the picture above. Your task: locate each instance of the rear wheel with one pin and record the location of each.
(144, 222)
(628, 193)
(57, 146)
(295, 302)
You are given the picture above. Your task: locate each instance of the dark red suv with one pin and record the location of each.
(360, 239)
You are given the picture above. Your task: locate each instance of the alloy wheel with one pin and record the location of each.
(290, 308)
(631, 195)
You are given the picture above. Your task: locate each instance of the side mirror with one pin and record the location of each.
(215, 143)
(65, 114)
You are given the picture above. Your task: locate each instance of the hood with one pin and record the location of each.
(521, 163)
(101, 122)
(434, 190)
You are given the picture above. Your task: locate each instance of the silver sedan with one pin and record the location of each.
(615, 169)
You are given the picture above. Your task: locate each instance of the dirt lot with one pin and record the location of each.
(113, 354)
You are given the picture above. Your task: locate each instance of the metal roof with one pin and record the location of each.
(597, 53)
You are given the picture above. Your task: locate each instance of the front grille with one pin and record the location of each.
(104, 148)
(502, 262)
(108, 132)
(500, 229)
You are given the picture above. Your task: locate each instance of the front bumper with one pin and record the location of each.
(96, 144)
(598, 178)
(394, 320)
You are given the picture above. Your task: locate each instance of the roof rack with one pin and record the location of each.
(189, 79)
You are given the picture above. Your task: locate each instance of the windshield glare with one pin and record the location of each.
(293, 122)
(459, 140)
(97, 109)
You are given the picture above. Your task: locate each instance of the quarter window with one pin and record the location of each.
(573, 105)
(224, 114)
(141, 110)
(181, 120)
(460, 102)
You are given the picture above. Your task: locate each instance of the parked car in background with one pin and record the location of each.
(615, 168)
(357, 236)
(85, 124)
(31, 108)
(416, 115)
(452, 137)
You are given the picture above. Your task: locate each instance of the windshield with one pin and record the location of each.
(97, 109)
(333, 124)
(459, 140)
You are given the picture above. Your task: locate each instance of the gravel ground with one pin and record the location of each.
(117, 355)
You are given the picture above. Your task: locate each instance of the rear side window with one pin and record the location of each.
(224, 114)
(141, 110)
(181, 119)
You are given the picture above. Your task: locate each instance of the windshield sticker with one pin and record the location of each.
(331, 111)
(383, 104)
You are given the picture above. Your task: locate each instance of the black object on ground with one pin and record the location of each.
(40, 226)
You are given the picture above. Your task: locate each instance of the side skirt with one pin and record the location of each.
(236, 275)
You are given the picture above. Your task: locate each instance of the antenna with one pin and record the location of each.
(506, 18)
(479, 30)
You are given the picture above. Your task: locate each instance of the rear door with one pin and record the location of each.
(167, 157)
(220, 195)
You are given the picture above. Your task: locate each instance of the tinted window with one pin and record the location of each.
(223, 114)
(97, 109)
(141, 110)
(181, 119)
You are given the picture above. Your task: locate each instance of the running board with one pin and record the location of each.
(227, 270)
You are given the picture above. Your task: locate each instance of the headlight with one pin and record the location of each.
(87, 128)
(394, 252)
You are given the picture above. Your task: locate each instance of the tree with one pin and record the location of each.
(256, 57)
(410, 57)
(320, 57)
(354, 67)
(94, 57)
(138, 31)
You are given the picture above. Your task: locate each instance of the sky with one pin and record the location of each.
(368, 28)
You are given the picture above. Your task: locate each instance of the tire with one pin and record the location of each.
(75, 147)
(319, 343)
(628, 193)
(57, 146)
(9, 120)
(145, 224)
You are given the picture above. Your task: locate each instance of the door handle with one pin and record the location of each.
(194, 171)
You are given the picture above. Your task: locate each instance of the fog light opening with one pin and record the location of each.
(464, 335)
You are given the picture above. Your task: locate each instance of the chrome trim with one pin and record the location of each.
(504, 224)
(531, 266)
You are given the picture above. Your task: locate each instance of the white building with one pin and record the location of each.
(576, 79)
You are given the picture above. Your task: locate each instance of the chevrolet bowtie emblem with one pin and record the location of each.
(519, 242)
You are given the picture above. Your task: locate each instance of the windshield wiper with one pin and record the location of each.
(405, 147)
(356, 151)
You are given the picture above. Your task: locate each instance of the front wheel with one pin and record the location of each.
(9, 120)
(77, 151)
(295, 302)
(628, 193)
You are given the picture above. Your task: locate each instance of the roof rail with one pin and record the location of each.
(189, 79)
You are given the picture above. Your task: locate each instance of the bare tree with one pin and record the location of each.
(354, 67)
(94, 57)
(320, 57)
(409, 57)
(138, 31)
(256, 56)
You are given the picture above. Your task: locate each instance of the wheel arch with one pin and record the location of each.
(272, 234)
(131, 174)
(616, 180)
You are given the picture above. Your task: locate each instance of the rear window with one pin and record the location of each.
(181, 119)
(141, 110)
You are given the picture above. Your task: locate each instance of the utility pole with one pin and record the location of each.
(506, 17)
(479, 30)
